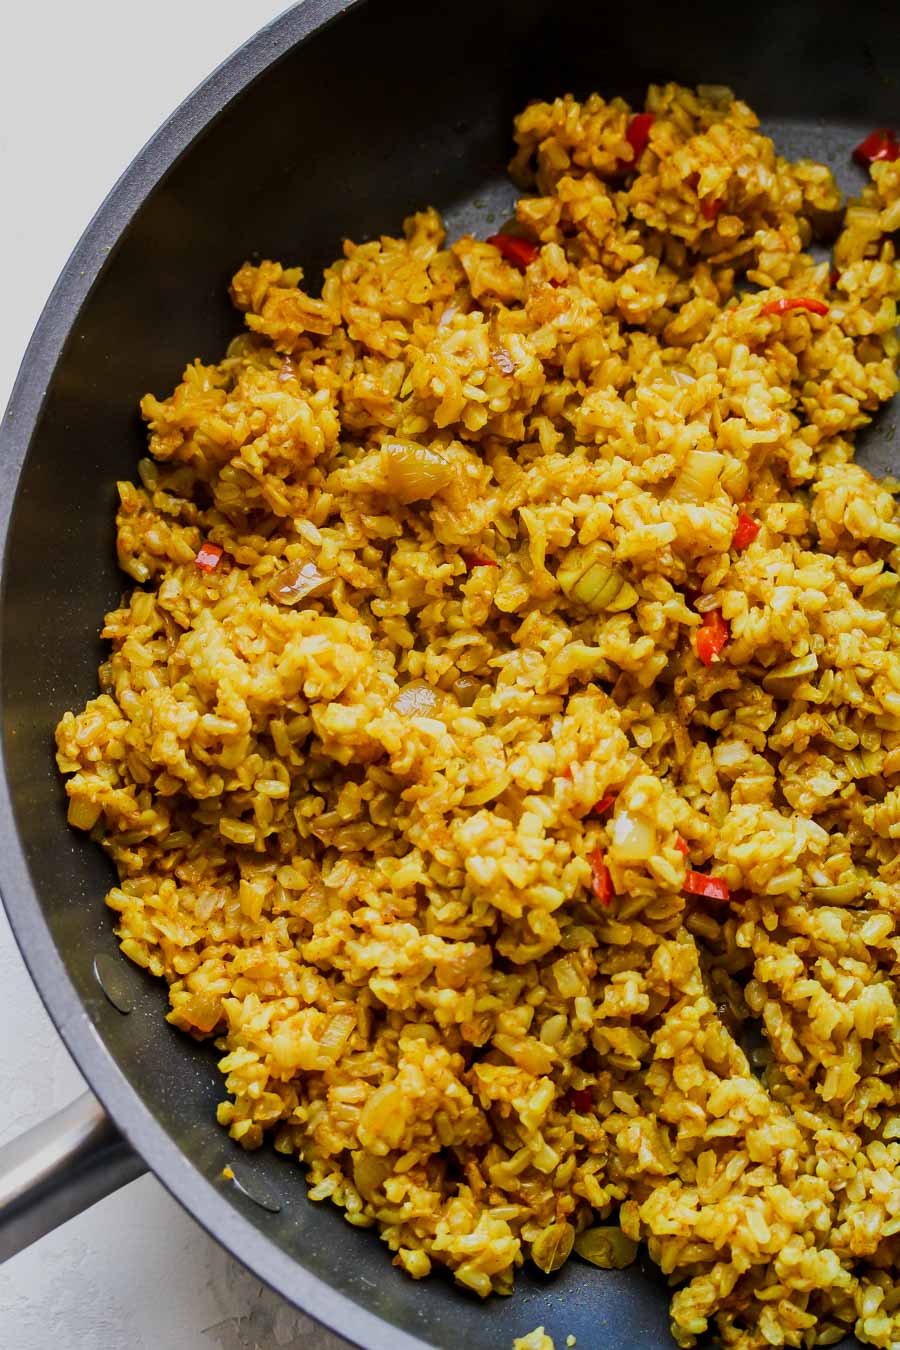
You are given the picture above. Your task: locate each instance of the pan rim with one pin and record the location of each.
(147, 1136)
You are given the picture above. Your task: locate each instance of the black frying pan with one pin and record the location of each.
(339, 118)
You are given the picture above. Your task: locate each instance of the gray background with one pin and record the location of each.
(82, 87)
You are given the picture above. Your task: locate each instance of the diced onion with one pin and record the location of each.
(841, 892)
(626, 599)
(608, 1248)
(587, 575)
(503, 360)
(715, 93)
(413, 472)
(782, 677)
(466, 689)
(597, 587)
(698, 477)
(551, 1248)
(417, 699)
(633, 840)
(299, 581)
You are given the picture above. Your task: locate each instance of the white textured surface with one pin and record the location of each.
(82, 87)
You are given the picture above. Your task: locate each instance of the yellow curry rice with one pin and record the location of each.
(475, 514)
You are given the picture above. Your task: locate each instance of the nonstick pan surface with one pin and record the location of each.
(340, 118)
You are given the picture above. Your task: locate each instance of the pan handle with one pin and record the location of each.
(62, 1166)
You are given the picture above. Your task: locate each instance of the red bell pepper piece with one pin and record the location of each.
(582, 1099)
(601, 881)
(746, 531)
(208, 557)
(603, 805)
(786, 302)
(681, 845)
(710, 207)
(476, 560)
(519, 252)
(637, 133)
(878, 146)
(711, 888)
(712, 635)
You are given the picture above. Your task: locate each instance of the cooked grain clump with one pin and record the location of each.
(516, 799)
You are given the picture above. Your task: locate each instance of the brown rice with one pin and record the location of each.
(474, 518)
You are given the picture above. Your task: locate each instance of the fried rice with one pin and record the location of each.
(500, 748)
